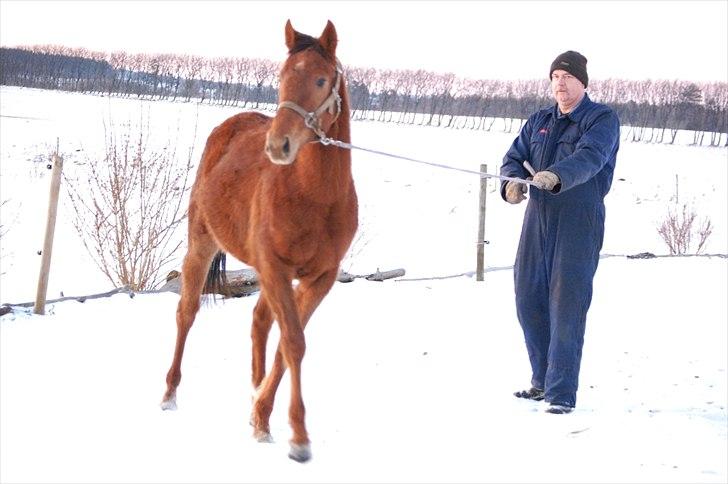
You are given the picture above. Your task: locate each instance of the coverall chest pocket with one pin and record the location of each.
(567, 143)
(538, 144)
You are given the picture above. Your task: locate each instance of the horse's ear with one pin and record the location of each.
(328, 39)
(290, 35)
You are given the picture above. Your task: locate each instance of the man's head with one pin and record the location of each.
(572, 62)
(568, 79)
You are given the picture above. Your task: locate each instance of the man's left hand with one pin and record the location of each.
(546, 180)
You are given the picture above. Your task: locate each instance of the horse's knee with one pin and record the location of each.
(294, 347)
(262, 322)
(262, 312)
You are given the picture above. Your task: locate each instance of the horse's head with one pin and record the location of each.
(309, 101)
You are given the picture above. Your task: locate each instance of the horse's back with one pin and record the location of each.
(243, 130)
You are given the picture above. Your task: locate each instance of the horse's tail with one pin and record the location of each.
(216, 282)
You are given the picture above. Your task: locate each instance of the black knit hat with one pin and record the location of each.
(572, 62)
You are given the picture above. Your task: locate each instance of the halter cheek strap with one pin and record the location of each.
(332, 104)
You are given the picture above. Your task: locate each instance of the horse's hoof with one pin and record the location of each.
(169, 404)
(263, 437)
(300, 452)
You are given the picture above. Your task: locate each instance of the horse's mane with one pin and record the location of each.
(304, 42)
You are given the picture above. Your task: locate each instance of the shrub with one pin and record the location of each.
(128, 205)
(679, 232)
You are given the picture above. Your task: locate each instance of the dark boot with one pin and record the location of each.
(531, 394)
(559, 409)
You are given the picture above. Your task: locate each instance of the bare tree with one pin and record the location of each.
(716, 99)
(360, 95)
(263, 74)
(191, 69)
(128, 205)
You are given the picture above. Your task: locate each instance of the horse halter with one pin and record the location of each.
(332, 104)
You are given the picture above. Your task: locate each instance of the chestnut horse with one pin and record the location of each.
(271, 195)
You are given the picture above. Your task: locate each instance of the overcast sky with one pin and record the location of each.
(476, 39)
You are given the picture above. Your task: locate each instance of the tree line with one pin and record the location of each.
(650, 110)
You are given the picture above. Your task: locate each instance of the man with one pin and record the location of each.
(572, 147)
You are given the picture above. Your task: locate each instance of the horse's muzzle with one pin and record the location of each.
(281, 150)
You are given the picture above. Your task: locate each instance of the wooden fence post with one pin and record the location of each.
(480, 263)
(677, 191)
(40, 297)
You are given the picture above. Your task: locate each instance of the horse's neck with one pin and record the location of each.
(341, 129)
(325, 171)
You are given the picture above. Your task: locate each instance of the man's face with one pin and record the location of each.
(567, 89)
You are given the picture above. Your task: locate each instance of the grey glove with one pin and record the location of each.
(515, 192)
(546, 180)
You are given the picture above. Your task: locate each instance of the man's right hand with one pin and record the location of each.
(515, 192)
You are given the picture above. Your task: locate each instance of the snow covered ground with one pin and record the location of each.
(404, 381)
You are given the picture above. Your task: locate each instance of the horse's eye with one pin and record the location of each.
(321, 82)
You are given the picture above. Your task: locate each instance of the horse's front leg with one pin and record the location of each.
(308, 295)
(280, 296)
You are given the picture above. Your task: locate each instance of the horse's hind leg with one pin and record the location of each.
(262, 322)
(194, 271)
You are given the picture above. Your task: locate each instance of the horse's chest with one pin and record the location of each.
(301, 234)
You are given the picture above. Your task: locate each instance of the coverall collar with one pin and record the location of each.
(577, 113)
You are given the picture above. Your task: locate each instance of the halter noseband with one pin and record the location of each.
(332, 103)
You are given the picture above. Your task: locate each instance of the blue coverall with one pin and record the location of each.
(561, 236)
